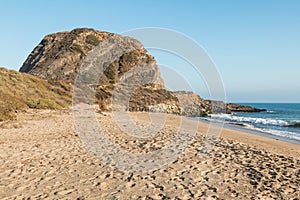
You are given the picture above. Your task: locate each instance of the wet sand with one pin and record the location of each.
(42, 157)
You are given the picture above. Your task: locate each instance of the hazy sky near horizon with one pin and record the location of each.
(254, 44)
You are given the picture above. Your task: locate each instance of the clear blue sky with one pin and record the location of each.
(255, 44)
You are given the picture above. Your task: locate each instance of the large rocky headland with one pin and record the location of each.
(59, 56)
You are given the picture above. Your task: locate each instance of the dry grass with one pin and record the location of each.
(19, 91)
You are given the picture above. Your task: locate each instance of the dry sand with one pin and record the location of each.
(42, 157)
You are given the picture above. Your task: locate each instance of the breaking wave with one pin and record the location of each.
(253, 120)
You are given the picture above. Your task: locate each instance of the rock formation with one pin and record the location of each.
(61, 56)
(191, 104)
(231, 107)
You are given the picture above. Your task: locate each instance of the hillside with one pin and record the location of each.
(19, 91)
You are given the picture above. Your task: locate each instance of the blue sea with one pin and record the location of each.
(281, 120)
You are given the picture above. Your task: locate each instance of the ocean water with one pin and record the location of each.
(281, 120)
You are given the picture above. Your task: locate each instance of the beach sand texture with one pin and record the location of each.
(42, 157)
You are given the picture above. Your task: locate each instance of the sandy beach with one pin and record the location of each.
(42, 157)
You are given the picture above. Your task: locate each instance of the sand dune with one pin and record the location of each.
(43, 157)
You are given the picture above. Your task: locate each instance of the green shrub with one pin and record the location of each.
(92, 39)
(197, 114)
(77, 48)
(109, 72)
(42, 104)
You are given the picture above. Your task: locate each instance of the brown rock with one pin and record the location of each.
(60, 55)
(241, 108)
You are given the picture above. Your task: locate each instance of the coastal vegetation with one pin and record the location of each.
(20, 91)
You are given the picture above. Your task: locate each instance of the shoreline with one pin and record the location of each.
(258, 140)
(237, 127)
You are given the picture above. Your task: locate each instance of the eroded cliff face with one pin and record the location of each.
(59, 56)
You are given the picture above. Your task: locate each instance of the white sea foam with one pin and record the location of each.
(253, 120)
(249, 123)
(270, 111)
(285, 134)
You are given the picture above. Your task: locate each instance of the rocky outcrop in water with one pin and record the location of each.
(231, 107)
